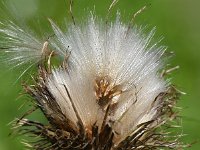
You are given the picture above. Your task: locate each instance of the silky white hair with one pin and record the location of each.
(127, 59)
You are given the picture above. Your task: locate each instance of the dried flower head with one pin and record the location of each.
(108, 92)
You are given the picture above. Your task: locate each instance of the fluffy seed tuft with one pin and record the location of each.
(107, 94)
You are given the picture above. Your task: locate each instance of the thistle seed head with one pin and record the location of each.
(107, 93)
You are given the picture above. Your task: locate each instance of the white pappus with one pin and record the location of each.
(108, 93)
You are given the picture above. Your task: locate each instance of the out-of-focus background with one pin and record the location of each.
(178, 21)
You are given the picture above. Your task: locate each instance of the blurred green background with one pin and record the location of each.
(178, 21)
